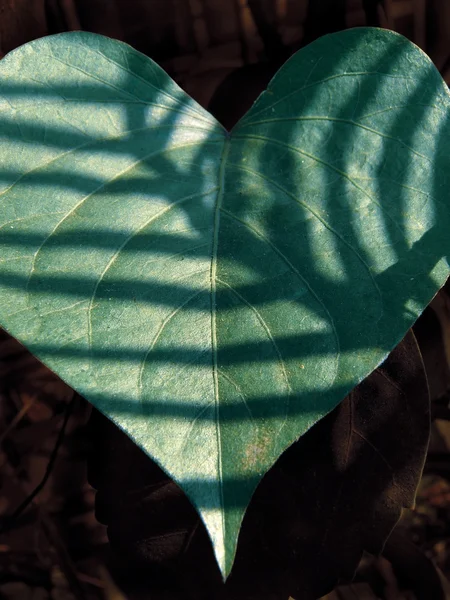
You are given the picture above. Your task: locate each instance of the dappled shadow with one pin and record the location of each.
(154, 280)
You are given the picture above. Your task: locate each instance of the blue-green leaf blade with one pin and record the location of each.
(217, 294)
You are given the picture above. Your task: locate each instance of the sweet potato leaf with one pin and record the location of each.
(215, 294)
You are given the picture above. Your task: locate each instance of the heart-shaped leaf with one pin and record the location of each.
(217, 294)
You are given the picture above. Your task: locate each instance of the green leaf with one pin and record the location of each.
(217, 294)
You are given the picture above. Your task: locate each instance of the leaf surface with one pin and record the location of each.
(217, 294)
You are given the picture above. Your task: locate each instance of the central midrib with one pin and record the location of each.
(216, 224)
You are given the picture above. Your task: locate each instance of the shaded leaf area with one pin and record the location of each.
(336, 492)
(214, 294)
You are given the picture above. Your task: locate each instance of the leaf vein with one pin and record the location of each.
(267, 331)
(345, 122)
(161, 328)
(319, 82)
(213, 276)
(117, 88)
(197, 113)
(28, 217)
(240, 393)
(377, 451)
(302, 279)
(192, 425)
(101, 139)
(329, 166)
(126, 241)
(321, 219)
(92, 194)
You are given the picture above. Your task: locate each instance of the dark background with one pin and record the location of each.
(56, 549)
